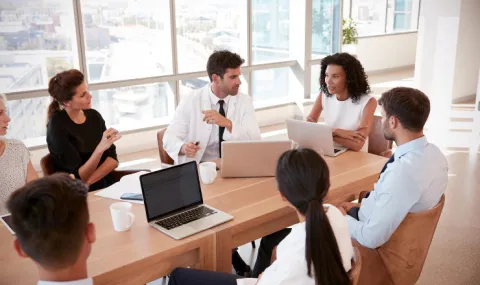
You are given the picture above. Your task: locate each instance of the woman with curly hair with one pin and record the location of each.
(344, 98)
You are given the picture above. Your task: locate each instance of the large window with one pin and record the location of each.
(271, 30)
(325, 27)
(369, 16)
(207, 25)
(128, 107)
(28, 117)
(142, 56)
(271, 84)
(374, 17)
(37, 39)
(126, 39)
(401, 16)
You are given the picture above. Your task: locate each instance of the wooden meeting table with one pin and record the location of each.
(143, 254)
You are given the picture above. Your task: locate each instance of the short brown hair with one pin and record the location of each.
(50, 217)
(411, 106)
(219, 61)
(62, 88)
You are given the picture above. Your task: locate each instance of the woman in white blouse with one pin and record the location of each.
(317, 251)
(344, 98)
(15, 166)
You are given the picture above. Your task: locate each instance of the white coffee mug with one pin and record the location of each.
(208, 172)
(122, 216)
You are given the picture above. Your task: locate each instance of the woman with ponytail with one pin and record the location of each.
(318, 251)
(77, 137)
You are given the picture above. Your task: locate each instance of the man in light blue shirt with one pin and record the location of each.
(413, 180)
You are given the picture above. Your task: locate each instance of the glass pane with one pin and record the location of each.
(124, 108)
(207, 25)
(315, 84)
(134, 107)
(403, 5)
(270, 30)
(322, 27)
(369, 16)
(28, 118)
(325, 27)
(401, 22)
(271, 84)
(400, 16)
(127, 39)
(188, 85)
(37, 40)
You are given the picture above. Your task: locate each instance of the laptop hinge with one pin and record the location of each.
(177, 212)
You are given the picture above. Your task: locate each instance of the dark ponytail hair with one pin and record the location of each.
(62, 89)
(304, 179)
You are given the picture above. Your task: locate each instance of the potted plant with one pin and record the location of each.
(349, 36)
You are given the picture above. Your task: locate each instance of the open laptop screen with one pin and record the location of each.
(170, 190)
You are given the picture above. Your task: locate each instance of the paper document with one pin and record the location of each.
(127, 184)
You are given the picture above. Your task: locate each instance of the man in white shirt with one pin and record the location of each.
(212, 114)
(413, 180)
(56, 237)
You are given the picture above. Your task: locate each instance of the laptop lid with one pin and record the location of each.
(252, 158)
(311, 135)
(171, 190)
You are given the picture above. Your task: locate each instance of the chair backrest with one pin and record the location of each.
(46, 163)
(354, 273)
(405, 252)
(377, 144)
(164, 157)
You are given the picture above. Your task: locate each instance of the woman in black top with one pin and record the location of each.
(77, 138)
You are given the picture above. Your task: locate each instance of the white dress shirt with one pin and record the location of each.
(291, 266)
(87, 281)
(187, 124)
(212, 151)
(414, 182)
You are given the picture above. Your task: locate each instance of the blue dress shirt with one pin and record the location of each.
(413, 182)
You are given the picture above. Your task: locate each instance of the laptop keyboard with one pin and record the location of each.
(185, 217)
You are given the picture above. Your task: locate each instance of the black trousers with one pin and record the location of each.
(267, 244)
(187, 276)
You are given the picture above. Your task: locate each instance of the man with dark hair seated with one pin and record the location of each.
(414, 178)
(51, 222)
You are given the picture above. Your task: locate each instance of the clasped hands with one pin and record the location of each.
(356, 136)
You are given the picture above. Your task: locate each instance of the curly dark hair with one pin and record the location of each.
(357, 82)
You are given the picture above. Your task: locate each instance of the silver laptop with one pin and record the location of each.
(174, 203)
(252, 158)
(313, 135)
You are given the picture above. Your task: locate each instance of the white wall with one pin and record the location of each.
(378, 53)
(468, 50)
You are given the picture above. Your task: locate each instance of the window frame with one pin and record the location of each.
(411, 12)
(300, 65)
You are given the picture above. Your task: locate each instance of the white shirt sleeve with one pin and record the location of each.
(177, 130)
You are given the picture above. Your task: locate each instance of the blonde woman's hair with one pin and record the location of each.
(3, 97)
